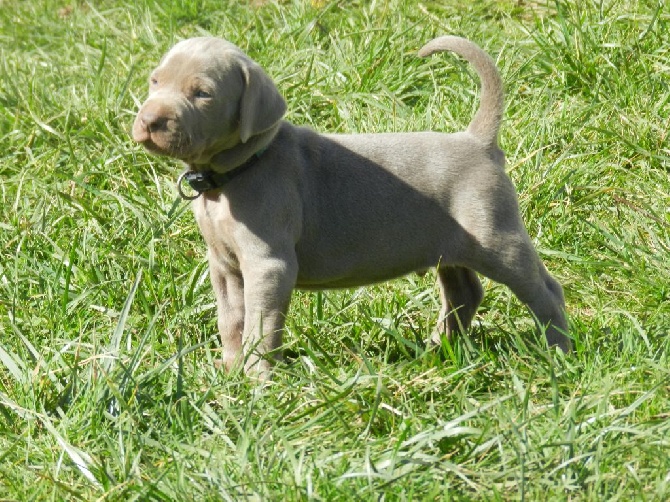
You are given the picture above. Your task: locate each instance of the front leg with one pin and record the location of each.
(268, 284)
(229, 292)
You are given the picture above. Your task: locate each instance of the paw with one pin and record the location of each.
(229, 362)
(556, 338)
(438, 334)
(258, 368)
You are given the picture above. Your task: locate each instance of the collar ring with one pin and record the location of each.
(183, 195)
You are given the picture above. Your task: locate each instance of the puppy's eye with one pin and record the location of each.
(202, 94)
(153, 81)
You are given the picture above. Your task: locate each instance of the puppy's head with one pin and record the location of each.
(206, 96)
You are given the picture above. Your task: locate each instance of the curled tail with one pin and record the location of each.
(486, 122)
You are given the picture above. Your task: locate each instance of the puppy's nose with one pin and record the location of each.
(152, 121)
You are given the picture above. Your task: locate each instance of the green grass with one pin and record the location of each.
(108, 388)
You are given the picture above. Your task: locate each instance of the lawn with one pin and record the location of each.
(108, 383)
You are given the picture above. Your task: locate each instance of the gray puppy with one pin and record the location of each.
(283, 207)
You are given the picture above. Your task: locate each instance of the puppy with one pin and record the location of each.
(283, 207)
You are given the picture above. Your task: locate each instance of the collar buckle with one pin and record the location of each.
(199, 181)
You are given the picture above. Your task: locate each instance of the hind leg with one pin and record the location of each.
(548, 305)
(544, 297)
(516, 264)
(460, 294)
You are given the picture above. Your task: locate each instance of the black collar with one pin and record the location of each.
(202, 181)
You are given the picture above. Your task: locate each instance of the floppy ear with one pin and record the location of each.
(261, 106)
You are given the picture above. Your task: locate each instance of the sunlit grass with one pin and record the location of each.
(108, 387)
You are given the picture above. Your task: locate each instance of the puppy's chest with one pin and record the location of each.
(217, 226)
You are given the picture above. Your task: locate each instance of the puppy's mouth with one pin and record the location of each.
(164, 136)
(162, 148)
(172, 145)
(168, 138)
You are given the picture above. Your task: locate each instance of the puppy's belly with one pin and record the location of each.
(347, 272)
(346, 282)
(384, 249)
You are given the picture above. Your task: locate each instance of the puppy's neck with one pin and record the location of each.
(234, 157)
